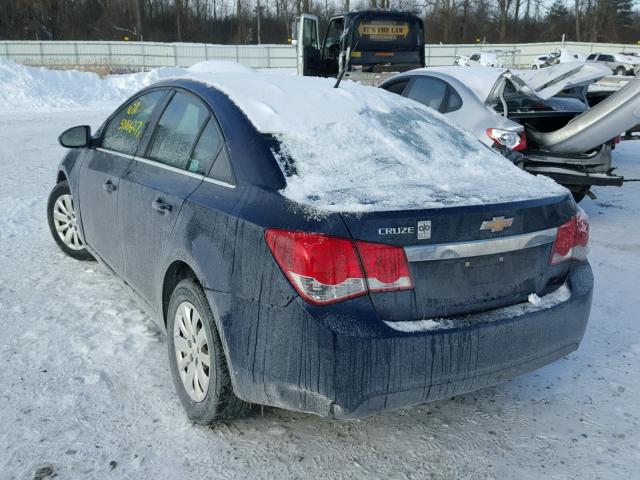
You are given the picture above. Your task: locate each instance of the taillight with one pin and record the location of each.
(385, 266)
(571, 240)
(325, 269)
(512, 140)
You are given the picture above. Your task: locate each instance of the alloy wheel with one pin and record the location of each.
(65, 222)
(191, 346)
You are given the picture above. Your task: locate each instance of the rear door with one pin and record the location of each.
(101, 174)
(156, 186)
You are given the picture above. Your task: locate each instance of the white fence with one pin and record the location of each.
(145, 55)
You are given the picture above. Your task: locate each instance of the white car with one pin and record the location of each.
(482, 59)
(537, 119)
(559, 56)
(619, 63)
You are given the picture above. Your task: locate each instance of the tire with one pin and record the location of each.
(621, 71)
(62, 222)
(207, 394)
(534, 67)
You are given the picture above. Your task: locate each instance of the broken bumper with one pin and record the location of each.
(303, 363)
(574, 169)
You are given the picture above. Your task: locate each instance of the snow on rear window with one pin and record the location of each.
(359, 148)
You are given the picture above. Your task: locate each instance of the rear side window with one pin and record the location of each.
(397, 87)
(206, 149)
(177, 130)
(125, 129)
(429, 91)
(454, 102)
(591, 57)
(475, 57)
(221, 169)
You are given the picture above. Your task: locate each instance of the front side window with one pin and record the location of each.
(177, 130)
(124, 130)
(429, 91)
(475, 57)
(606, 58)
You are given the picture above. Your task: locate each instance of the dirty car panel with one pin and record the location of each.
(434, 302)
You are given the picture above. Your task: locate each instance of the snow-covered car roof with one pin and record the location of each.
(542, 83)
(355, 148)
(358, 148)
(480, 80)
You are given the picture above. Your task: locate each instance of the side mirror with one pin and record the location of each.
(76, 137)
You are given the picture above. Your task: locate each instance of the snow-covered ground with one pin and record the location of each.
(86, 392)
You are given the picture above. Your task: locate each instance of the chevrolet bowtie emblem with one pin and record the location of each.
(496, 224)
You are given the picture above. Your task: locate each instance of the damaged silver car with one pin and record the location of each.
(539, 119)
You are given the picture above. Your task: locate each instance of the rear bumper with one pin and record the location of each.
(574, 169)
(299, 363)
(567, 176)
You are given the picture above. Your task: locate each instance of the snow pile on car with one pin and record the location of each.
(354, 148)
(359, 148)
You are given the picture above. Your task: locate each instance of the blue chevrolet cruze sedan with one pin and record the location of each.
(340, 313)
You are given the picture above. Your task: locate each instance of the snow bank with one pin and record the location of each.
(360, 148)
(40, 89)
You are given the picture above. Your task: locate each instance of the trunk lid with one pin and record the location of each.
(458, 268)
(548, 82)
(611, 117)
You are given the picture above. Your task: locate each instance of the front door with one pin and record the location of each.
(101, 174)
(154, 189)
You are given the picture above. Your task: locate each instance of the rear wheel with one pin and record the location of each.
(534, 67)
(621, 71)
(197, 360)
(61, 215)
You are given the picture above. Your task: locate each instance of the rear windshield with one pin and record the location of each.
(373, 33)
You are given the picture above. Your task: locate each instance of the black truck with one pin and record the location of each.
(372, 44)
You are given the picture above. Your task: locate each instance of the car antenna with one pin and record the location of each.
(346, 65)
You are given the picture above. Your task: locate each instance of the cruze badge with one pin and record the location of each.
(496, 224)
(423, 230)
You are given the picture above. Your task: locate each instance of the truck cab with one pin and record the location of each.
(370, 41)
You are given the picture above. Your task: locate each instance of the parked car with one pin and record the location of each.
(372, 280)
(559, 56)
(618, 63)
(544, 61)
(513, 112)
(483, 59)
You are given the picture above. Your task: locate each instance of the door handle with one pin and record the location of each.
(161, 206)
(109, 186)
